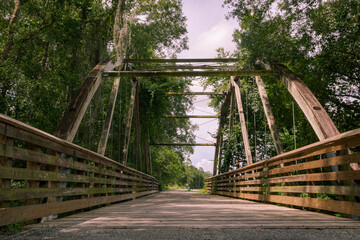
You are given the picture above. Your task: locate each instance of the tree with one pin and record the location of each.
(48, 47)
(319, 41)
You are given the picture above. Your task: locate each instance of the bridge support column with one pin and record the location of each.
(5, 162)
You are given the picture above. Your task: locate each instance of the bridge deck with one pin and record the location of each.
(196, 210)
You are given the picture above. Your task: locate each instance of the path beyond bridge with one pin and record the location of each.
(180, 214)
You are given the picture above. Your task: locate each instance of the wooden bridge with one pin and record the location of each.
(44, 175)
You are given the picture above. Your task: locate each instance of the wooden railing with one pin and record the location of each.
(317, 176)
(42, 175)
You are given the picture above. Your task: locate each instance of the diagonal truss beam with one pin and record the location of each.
(242, 120)
(109, 115)
(318, 118)
(73, 116)
(134, 84)
(224, 108)
(269, 116)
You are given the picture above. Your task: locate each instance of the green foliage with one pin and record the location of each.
(213, 186)
(50, 46)
(14, 228)
(317, 40)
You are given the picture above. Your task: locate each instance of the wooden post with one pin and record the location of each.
(138, 128)
(129, 120)
(109, 115)
(242, 121)
(5, 162)
(30, 183)
(269, 116)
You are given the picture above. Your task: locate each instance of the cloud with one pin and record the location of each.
(205, 164)
(219, 35)
(206, 43)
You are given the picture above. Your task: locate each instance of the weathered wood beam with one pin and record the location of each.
(72, 117)
(224, 108)
(269, 116)
(183, 144)
(232, 107)
(138, 128)
(109, 115)
(194, 93)
(242, 121)
(182, 60)
(191, 116)
(314, 112)
(189, 73)
(164, 67)
(129, 120)
(318, 118)
(146, 152)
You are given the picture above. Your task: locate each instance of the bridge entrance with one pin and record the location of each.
(61, 177)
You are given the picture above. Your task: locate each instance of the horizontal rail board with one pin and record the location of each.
(29, 212)
(313, 177)
(37, 137)
(343, 141)
(317, 176)
(132, 74)
(337, 190)
(38, 175)
(30, 193)
(327, 205)
(38, 157)
(44, 173)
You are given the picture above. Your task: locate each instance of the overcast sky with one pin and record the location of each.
(207, 30)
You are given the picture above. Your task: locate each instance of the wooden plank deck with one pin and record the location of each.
(182, 209)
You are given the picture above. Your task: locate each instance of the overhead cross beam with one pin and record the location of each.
(182, 60)
(191, 116)
(183, 144)
(187, 66)
(190, 73)
(194, 93)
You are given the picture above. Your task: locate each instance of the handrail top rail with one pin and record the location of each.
(300, 151)
(17, 124)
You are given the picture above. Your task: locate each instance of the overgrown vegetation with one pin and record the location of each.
(48, 47)
(319, 41)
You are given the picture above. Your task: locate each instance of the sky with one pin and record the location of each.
(207, 31)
